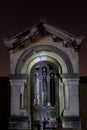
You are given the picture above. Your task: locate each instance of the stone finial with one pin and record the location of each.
(43, 19)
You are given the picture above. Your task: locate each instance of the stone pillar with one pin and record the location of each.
(66, 98)
(74, 97)
(71, 117)
(17, 88)
(19, 118)
(48, 89)
(71, 97)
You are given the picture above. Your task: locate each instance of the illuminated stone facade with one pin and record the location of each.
(44, 78)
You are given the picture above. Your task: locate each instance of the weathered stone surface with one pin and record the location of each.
(49, 50)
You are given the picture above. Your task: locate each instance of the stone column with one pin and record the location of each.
(19, 119)
(71, 96)
(17, 87)
(48, 89)
(71, 117)
(74, 97)
(66, 98)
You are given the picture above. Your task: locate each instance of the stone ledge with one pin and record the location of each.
(73, 122)
(19, 122)
(65, 129)
(18, 118)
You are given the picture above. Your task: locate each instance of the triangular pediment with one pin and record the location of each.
(43, 28)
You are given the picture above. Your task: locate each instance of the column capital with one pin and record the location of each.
(18, 80)
(18, 76)
(70, 76)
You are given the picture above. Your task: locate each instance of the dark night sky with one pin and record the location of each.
(16, 16)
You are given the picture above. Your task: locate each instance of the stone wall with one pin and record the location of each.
(14, 56)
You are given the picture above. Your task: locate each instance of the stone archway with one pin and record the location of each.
(48, 53)
(51, 54)
(47, 48)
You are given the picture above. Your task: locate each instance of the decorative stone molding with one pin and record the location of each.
(17, 82)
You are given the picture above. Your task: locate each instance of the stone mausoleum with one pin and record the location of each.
(44, 78)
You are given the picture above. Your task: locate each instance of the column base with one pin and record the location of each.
(19, 122)
(71, 122)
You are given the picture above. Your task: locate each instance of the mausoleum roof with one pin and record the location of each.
(43, 28)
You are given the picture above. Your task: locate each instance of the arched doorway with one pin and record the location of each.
(60, 64)
(44, 93)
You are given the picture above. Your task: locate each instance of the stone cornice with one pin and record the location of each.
(69, 39)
